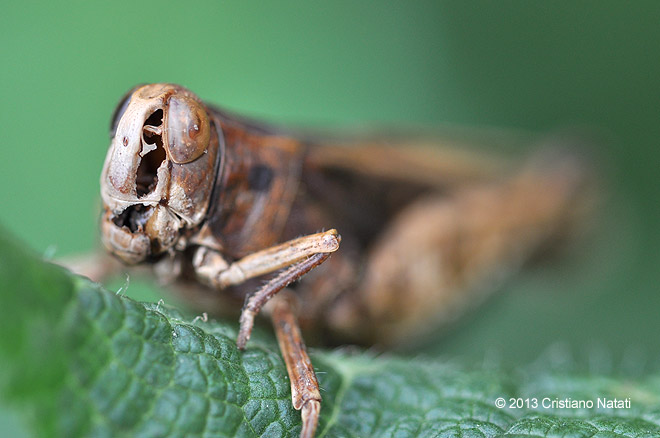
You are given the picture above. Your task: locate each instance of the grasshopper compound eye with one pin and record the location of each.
(187, 129)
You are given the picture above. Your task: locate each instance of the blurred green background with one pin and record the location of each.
(537, 66)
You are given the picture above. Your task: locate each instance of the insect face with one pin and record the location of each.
(159, 171)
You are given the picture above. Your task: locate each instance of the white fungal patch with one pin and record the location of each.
(146, 148)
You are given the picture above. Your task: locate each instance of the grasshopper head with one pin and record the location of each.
(159, 171)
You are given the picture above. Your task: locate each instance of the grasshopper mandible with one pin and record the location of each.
(219, 200)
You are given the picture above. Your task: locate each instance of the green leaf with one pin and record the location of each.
(79, 360)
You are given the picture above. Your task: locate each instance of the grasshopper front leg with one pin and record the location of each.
(299, 256)
(305, 392)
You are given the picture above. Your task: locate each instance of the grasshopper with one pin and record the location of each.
(211, 198)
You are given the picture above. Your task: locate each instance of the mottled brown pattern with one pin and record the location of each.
(245, 217)
(221, 201)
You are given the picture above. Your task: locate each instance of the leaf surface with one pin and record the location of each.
(79, 360)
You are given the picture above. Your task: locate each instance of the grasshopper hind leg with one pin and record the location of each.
(444, 252)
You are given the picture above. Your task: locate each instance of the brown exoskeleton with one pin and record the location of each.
(215, 199)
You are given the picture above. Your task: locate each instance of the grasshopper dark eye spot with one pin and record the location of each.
(193, 132)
